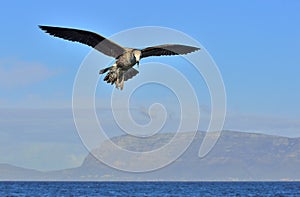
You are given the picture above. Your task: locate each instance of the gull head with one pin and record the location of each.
(137, 55)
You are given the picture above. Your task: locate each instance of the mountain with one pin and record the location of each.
(10, 172)
(236, 156)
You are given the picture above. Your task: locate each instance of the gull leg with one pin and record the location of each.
(117, 81)
(122, 82)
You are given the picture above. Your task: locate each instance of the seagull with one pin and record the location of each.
(126, 58)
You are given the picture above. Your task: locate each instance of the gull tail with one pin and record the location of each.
(111, 77)
(118, 77)
(104, 70)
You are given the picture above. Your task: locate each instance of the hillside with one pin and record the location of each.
(236, 156)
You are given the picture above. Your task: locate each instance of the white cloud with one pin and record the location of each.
(16, 73)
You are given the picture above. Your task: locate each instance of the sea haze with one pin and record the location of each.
(238, 156)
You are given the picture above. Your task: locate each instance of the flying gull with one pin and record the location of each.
(126, 58)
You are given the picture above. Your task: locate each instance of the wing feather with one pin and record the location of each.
(86, 37)
(130, 73)
(167, 49)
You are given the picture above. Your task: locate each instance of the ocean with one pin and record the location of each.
(149, 189)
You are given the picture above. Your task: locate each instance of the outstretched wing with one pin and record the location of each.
(167, 49)
(86, 37)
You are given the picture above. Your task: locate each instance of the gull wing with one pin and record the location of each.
(167, 49)
(86, 37)
(131, 72)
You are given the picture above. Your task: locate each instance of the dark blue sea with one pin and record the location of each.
(149, 189)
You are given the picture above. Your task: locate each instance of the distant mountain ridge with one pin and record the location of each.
(236, 156)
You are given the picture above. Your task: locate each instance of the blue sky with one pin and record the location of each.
(255, 44)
